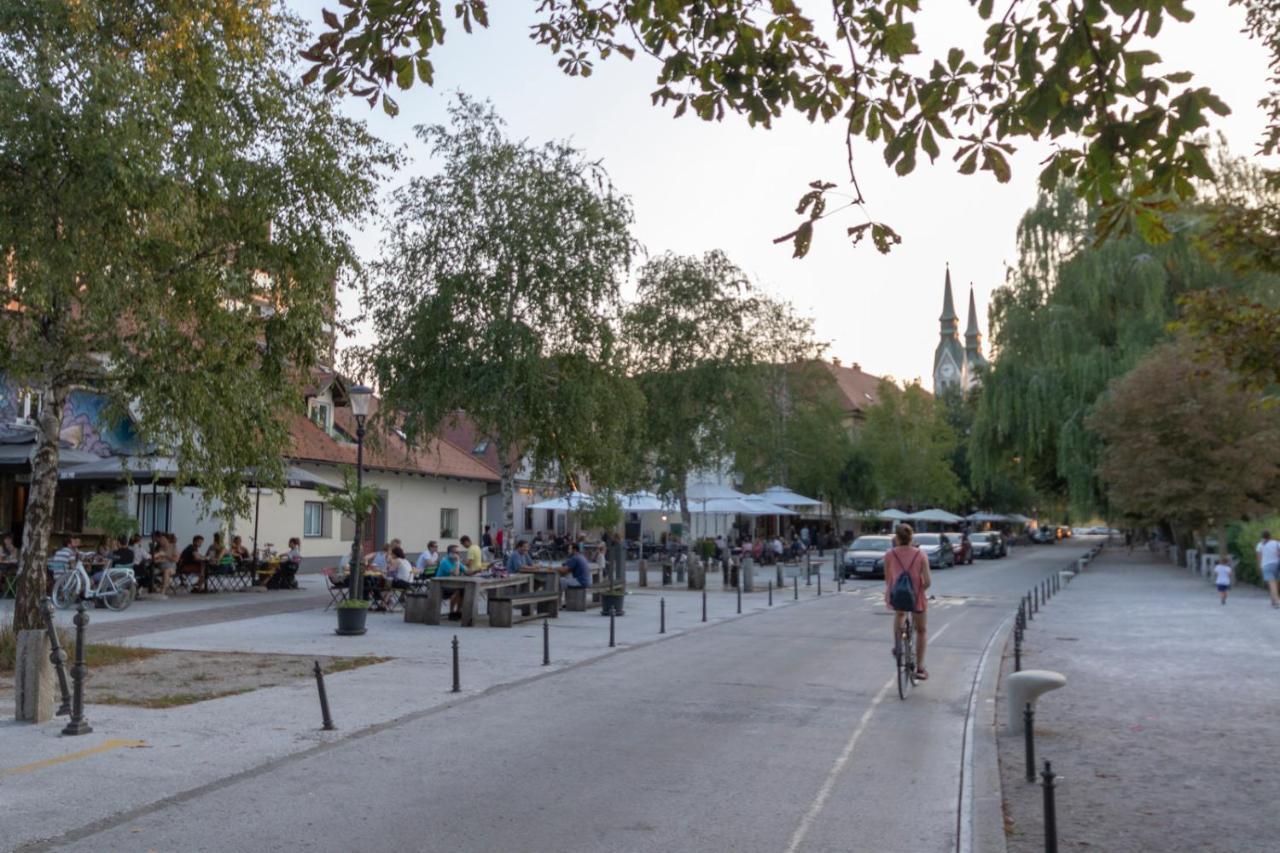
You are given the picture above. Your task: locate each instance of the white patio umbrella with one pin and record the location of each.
(642, 502)
(571, 502)
(985, 517)
(705, 492)
(892, 515)
(783, 496)
(939, 515)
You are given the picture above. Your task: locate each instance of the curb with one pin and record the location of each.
(980, 815)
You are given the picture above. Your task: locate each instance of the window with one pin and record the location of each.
(319, 415)
(68, 512)
(480, 448)
(148, 524)
(448, 524)
(315, 520)
(528, 519)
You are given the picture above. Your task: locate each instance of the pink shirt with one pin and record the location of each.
(912, 560)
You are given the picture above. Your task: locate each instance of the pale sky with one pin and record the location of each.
(698, 186)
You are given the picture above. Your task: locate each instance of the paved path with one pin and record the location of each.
(777, 732)
(1166, 731)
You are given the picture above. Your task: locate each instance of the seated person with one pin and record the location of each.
(472, 557)
(378, 560)
(577, 568)
(238, 549)
(214, 552)
(399, 576)
(286, 575)
(69, 553)
(428, 559)
(450, 565)
(519, 557)
(191, 563)
(8, 551)
(122, 555)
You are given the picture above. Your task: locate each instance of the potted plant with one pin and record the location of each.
(356, 501)
(351, 617)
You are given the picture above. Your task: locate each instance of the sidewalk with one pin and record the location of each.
(1165, 733)
(153, 755)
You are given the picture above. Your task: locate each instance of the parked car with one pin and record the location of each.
(1044, 536)
(988, 545)
(937, 547)
(866, 556)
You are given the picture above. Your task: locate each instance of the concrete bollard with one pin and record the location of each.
(644, 572)
(681, 568)
(697, 575)
(1025, 688)
(747, 574)
(33, 682)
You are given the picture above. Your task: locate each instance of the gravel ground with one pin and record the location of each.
(1165, 733)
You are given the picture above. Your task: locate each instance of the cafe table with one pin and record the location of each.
(545, 578)
(472, 587)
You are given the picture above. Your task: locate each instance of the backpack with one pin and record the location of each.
(903, 594)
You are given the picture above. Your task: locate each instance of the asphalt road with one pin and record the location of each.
(777, 732)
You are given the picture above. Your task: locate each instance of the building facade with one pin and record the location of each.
(957, 365)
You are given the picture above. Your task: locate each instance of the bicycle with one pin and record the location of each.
(117, 587)
(904, 653)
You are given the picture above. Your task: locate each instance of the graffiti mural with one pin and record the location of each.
(84, 424)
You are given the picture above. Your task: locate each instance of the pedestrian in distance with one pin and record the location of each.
(1223, 573)
(1268, 551)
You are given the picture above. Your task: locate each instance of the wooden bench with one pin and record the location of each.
(532, 605)
(575, 597)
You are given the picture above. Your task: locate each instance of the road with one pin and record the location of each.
(778, 732)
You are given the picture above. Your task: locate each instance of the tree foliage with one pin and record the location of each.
(710, 353)
(1073, 316)
(1079, 74)
(1184, 444)
(495, 294)
(173, 211)
(909, 444)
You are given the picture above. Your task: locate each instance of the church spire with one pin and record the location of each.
(948, 318)
(971, 332)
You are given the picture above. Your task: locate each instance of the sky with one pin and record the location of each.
(698, 186)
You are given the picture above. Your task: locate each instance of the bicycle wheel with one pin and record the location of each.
(901, 653)
(67, 590)
(124, 591)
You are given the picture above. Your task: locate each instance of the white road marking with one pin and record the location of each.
(824, 793)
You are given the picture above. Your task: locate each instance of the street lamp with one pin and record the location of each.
(361, 397)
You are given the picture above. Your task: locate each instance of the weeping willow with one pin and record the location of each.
(1072, 317)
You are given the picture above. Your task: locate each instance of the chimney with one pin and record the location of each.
(857, 366)
(835, 360)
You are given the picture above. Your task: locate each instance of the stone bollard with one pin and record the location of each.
(697, 574)
(33, 683)
(747, 574)
(644, 572)
(666, 571)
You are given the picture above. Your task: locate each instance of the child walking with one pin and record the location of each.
(1223, 572)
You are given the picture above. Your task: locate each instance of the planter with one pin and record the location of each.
(351, 621)
(614, 601)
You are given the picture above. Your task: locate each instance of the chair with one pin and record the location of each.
(338, 590)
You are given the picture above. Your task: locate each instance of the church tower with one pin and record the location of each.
(973, 358)
(948, 358)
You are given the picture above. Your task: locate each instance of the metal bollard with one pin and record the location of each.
(324, 700)
(796, 597)
(58, 657)
(546, 642)
(770, 593)
(1017, 652)
(819, 582)
(739, 592)
(644, 572)
(613, 612)
(662, 616)
(457, 673)
(78, 725)
(1049, 781)
(779, 573)
(1028, 721)
(1035, 599)
(1022, 616)
(1031, 614)
(704, 604)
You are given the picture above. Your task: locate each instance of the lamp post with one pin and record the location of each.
(361, 396)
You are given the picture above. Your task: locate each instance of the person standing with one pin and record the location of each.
(486, 539)
(1223, 576)
(1268, 551)
(498, 540)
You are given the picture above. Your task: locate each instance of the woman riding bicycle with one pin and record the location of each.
(905, 557)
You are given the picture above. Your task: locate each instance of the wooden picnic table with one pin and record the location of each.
(544, 577)
(471, 586)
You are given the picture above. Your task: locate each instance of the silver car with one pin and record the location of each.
(866, 556)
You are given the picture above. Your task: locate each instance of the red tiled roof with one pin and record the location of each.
(384, 450)
(462, 431)
(859, 389)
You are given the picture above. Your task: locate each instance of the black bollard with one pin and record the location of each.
(78, 725)
(796, 596)
(739, 593)
(1031, 614)
(58, 657)
(546, 642)
(819, 582)
(457, 672)
(1035, 599)
(1017, 652)
(704, 604)
(324, 700)
(1022, 616)
(612, 614)
(770, 593)
(1049, 781)
(662, 616)
(1028, 725)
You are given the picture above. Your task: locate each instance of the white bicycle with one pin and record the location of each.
(116, 587)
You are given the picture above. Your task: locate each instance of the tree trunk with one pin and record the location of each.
(682, 495)
(39, 518)
(508, 477)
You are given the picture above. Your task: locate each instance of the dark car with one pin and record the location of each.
(937, 547)
(865, 556)
(987, 545)
(1044, 536)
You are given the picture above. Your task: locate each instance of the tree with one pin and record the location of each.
(494, 296)
(1073, 316)
(909, 443)
(172, 212)
(705, 348)
(1079, 74)
(1186, 445)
